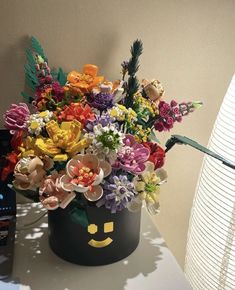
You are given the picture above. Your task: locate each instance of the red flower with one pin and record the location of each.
(16, 140)
(157, 154)
(77, 111)
(12, 159)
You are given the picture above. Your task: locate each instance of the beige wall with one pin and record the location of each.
(188, 44)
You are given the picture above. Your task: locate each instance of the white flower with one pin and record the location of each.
(37, 122)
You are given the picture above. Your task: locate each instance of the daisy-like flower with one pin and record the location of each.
(105, 141)
(147, 184)
(118, 192)
(37, 122)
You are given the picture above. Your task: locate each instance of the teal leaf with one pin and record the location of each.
(37, 47)
(27, 97)
(62, 77)
(54, 74)
(79, 216)
(154, 138)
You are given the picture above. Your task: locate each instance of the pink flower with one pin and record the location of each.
(16, 117)
(174, 103)
(52, 195)
(132, 156)
(84, 173)
(158, 125)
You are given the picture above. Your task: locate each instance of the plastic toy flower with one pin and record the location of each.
(157, 154)
(105, 141)
(84, 173)
(77, 111)
(118, 192)
(52, 195)
(147, 184)
(84, 82)
(154, 89)
(102, 97)
(28, 147)
(104, 120)
(145, 108)
(11, 160)
(132, 156)
(140, 134)
(121, 113)
(29, 173)
(37, 122)
(63, 140)
(16, 117)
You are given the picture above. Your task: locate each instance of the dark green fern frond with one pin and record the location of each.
(132, 68)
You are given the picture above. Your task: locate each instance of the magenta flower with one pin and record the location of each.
(132, 156)
(16, 117)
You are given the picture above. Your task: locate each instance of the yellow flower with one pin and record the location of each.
(146, 104)
(63, 140)
(121, 113)
(28, 147)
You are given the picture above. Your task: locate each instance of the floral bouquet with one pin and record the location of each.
(84, 140)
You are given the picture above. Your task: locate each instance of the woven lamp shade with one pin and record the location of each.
(210, 255)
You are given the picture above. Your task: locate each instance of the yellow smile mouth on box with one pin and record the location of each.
(100, 244)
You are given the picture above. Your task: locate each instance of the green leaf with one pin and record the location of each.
(54, 74)
(30, 58)
(37, 47)
(27, 97)
(79, 216)
(197, 104)
(62, 77)
(154, 138)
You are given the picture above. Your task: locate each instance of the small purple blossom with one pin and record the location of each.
(16, 117)
(132, 156)
(101, 101)
(118, 192)
(105, 119)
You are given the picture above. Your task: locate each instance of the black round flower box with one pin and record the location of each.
(108, 238)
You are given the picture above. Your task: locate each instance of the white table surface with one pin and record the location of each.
(150, 267)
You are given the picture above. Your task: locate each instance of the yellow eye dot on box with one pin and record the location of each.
(108, 227)
(92, 229)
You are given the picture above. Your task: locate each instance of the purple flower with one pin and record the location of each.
(118, 192)
(104, 120)
(132, 156)
(101, 101)
(16, 117)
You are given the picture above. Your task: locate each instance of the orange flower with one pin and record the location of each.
(84, 82)
(77, 111)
